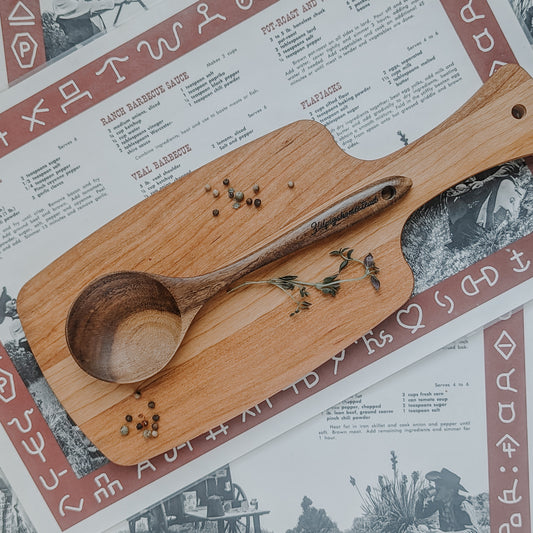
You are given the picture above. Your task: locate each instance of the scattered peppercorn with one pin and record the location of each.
(147, 433)
(255, 188)
(151, 404)
(207, 187)
(216, 193)
(139, 426)
(290, 184)
(155, 418)
(155, 433)
(129, 418)
(137, 394)
(225, 181)
(145, 423)
(257, 202)
(239, 196)
(249, 201)
(215, 212)
(236, 205)
(231, 193)
(124, 430)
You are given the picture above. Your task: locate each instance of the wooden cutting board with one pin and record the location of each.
(244, 347)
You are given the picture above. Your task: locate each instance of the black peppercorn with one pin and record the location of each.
(151, 405)
(225, 181)
(155, 418)
(155, 425)
(249, 201)
(139, 425)
(257, 202)
(215, 212)
(129, 418)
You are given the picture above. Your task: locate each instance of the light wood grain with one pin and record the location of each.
(243, 347)
(121, 317)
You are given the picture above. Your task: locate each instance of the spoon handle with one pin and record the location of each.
(349, 211)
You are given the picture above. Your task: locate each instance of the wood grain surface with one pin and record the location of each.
(243, 347)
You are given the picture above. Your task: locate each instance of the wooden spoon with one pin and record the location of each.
(126, 326)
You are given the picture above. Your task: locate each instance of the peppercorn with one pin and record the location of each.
(155, 434)
(215, 212)
(145, 423)
(124, 430)
(231, 193)
(129, 418)
(207, 187)
(147, 433)
(139, 425)
(290, 184)
(236, 205)
(216, 193)
(249, 201)
(155, 425)
(225, 181)
(239, 196)
(137, 394)
(155, 418)
(151, 404)
(255, 188)
(257, 202)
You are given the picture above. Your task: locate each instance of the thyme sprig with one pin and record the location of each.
(328, 286)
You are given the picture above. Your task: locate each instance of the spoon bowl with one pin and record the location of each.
(126, 326)
(123, 321)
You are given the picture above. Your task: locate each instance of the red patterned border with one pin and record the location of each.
(507, 444)
(22, 34)
(480, 35)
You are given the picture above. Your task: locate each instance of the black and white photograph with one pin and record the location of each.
(468, 223)
(214, 503)
(67, 24)
(524, 13)
(13, 518)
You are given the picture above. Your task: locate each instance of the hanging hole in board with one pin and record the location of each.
(388, 192)
(518, 111)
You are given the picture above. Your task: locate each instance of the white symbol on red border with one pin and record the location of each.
(21, 15)
(417, 314)
(24, 48)
(7, 386)
(450, 304)
(244, 4)
(505, 345)
(64, 507)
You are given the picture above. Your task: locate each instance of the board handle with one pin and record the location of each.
(493, 127)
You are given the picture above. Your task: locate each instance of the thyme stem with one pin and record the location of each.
(330, 285)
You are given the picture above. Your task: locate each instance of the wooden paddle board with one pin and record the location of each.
(243, 346)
